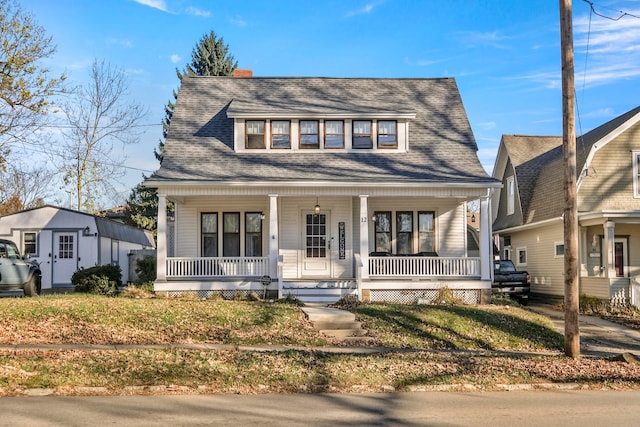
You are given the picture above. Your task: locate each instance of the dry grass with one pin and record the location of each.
(465, 348)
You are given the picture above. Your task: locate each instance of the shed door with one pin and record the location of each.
(316, 247)
(65, 257)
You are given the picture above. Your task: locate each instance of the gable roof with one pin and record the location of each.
(200, 145)
(539, 168)
(106, 227)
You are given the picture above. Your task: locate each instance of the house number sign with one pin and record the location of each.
(341, 240)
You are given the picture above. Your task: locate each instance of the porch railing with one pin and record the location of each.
(418, 266)
(179, 267)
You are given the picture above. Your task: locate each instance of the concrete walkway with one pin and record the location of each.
(598, 337)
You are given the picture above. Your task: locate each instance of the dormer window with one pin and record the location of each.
(387, 134)
(255, 134)
(333, 134)
(362, 134)
(280, 134)
(309, 137)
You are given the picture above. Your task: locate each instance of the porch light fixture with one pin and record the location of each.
(261, 216)
(473, 217)
(374, 218)
(316, 208)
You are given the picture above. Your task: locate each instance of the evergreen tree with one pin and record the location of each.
(210, 57)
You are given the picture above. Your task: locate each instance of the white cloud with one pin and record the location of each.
(175, 58)
(366, 9)
(238, 21)
(484, 39)
(610, 49)
(120, 42)
(198, 12)
(156, 4)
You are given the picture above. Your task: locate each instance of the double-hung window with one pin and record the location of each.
(334, 134)
(387, 134)
(209, 232)
(426, 231)
(362, 134)
(383, 231)
(254, 134)
(30, 243)
(404, 236)
(253, 234)
(309, 137)
(231, 234)
(280, 134)
(511, 196)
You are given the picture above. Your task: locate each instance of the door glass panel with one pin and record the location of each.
(316, 238)
(65, 247)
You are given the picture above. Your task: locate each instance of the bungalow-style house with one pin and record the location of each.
(528, 210)
(320, 188)
(64, 240)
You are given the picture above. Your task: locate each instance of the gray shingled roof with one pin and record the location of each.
(199, 146)
(539, 167)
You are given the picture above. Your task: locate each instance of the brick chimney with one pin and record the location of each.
(242, 73)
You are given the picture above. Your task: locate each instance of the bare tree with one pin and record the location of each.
(24, 187)
(25, 87)
(101, 122)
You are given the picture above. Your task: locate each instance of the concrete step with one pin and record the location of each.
(336, 325)
(344, 333)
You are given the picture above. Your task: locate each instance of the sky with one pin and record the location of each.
(504, 55)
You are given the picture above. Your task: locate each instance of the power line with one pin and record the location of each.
(621, 12)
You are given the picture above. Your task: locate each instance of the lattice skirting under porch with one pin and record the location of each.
(423, 296)
(227, 294)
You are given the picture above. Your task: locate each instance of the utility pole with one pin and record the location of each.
(570, 213)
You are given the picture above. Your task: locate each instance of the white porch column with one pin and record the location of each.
(584, 256)
(486, 245)
(364, 235)
(161, 244)
(609, 238)
(273, 236)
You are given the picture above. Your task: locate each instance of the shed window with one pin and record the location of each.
(30, 244)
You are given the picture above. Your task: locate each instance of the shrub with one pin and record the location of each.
(102, 279)
(146, 269)
(291, 300)
(348, 302)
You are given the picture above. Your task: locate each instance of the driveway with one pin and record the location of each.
(598, 337)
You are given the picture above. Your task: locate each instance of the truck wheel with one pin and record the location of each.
(33, 286)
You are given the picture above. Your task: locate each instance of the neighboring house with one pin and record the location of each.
(322, 187)
(64, 240)
(528, 209)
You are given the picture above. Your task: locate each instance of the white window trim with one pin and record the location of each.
(555, 249)
(511, 197)
(636, 171)
(526, 256)
(36, 240)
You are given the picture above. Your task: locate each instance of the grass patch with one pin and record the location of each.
(451, 327)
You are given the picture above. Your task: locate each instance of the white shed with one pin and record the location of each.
(63, 241)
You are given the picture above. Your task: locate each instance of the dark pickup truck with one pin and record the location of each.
(510, 282)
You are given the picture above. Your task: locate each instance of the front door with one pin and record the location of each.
(316, 245)
(64, 257)
(620, 256)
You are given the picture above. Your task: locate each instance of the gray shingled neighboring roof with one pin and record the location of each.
(125, 233)
(540, 171)
(529, 155)
(199, 146)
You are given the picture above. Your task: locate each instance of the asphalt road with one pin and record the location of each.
(520, 408)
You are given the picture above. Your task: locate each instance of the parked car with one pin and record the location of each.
(17, 272)
(511, 282)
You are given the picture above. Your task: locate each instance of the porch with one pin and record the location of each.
(415, 275)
